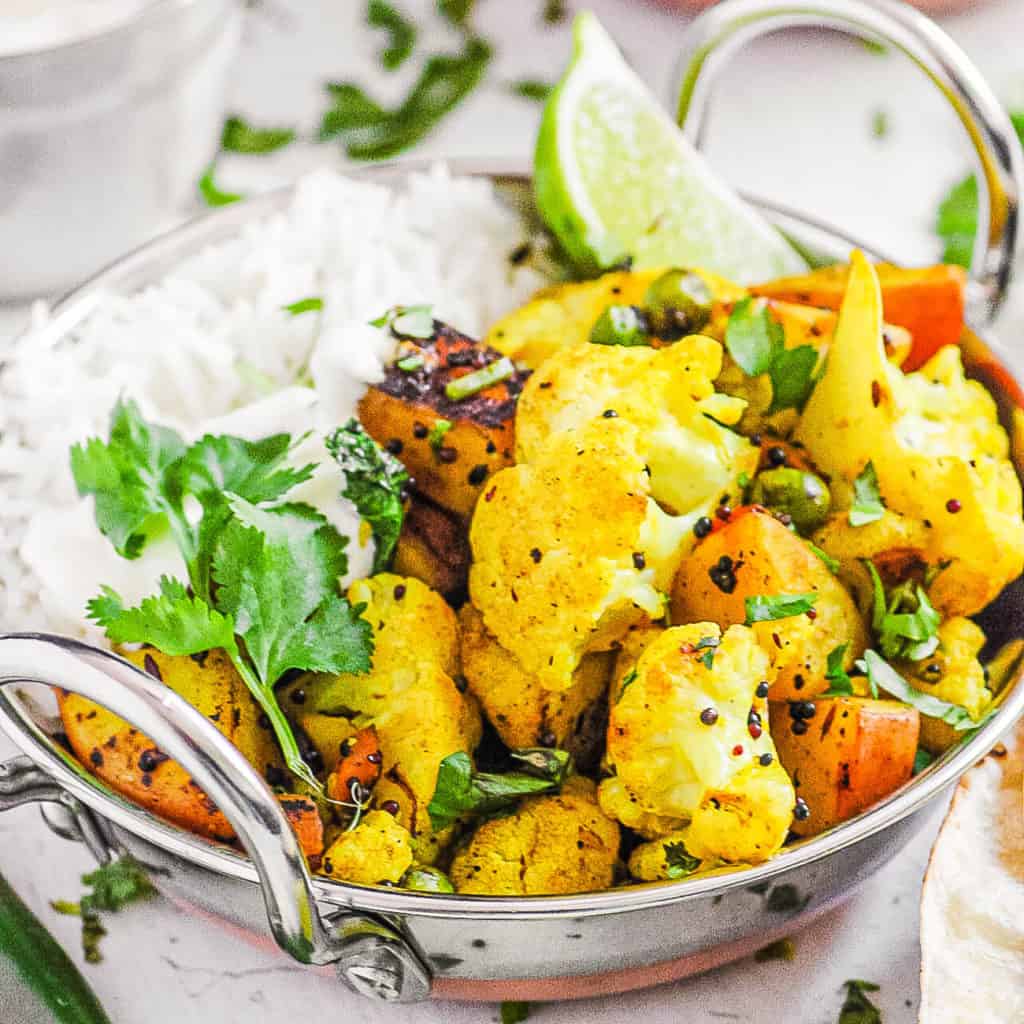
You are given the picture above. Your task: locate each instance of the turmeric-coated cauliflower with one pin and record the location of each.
(377, 850)
(522, 712)
(952, 673)
(552, 845)
(938, 450)
(563, 315)
(668, 394)
(689, 746)
(408, 695)
(570, 550)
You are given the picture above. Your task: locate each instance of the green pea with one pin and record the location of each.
(803, 496)
(677, 303)
(620, 325)
(420, 879)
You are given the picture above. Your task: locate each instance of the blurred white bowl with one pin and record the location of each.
(103, 139)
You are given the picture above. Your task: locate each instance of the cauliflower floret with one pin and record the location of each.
(408, 695)
(377, 850)
(570, 550)
(935, 441)
(951, 673)
(564, 314)
(522, 712)
(667, 394)
(682, 745)
(552, 845)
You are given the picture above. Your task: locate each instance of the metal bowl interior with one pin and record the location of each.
(1003, 621)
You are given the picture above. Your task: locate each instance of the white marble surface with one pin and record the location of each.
(794, 123)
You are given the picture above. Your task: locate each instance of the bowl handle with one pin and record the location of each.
(371, 957)
(712, 39)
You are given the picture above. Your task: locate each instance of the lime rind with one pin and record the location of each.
(615, 178)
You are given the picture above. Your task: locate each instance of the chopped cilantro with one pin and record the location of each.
(369, 131)
(922, 759)
(212, 195)
(884, 677)
(438, 432)
(408, 321)
(867, 499)
(679, 861)
(708, 644)
(757, 342)
(514, 1011)
(857, 1008)
(627, 680)
(374, 482)
(784, 949)
(401, 33)
(114, 886)
(238, 136)
(905, 626)
(840, 684)
(768, 608)
(532, 89)
(460, 790)
(310, 305)
(832, 563)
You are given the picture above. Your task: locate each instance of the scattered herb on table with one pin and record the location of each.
(514, 1012)
(874, 47)
(238, 136)
(401, 33)
(114, 886)
(769, 608)
(867, 498)
(532, 89)
(458, 12)
(211, 194)
(369, 131)
(555, 11)
(857, 1008)
(879, 124)
(757, 342)
(375, 483)
(784, 949)
(957, 220)
(262, 573)
(461, 790)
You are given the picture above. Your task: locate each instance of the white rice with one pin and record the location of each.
(209, 347)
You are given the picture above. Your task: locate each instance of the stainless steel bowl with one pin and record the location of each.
(102, 140)
(398, 945)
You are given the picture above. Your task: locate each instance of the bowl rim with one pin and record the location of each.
(150, 10)
(211, 227)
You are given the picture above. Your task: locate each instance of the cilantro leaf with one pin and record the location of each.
(768, 608)
(314, 304)
(115, 886)
(368, 131)
(753, 337)
(922, 759)
(212, 195)
(172, 621)
(840, 684)
(374, 482)
(905, 626)
(238, 136)
(127, 477)
(792, 377)
(461, 791)
(401, 33)
(757, 342)
(867, 499)
(514, 1012)
(438, 432)
(679, 860)
(885, 677)
(857, 1008)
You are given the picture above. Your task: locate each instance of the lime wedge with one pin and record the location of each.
(615, 178)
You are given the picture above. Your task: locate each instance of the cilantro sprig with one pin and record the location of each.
(905, 624)
(375, 483)
(263, 573)
(868, 504)
(770, 607)
(757, 342)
